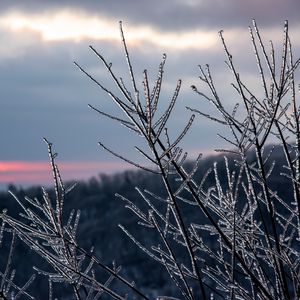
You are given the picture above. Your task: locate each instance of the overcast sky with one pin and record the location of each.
(44, 95)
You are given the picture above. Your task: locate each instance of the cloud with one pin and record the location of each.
(174, 15)
(43, 95)
(62, 25)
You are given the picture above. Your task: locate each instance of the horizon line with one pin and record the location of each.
(40, 172)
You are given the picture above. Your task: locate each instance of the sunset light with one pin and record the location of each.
(39, 172)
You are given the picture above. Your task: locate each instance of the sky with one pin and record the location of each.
(42, 93)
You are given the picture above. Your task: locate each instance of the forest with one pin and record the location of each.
(102, 212)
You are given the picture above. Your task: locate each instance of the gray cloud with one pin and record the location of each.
(174, 14)
(43, 95)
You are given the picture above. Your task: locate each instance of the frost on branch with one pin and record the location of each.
(46, 230)
(223, 235)
(244, 244)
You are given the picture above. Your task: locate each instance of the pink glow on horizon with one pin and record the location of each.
(39, 172)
